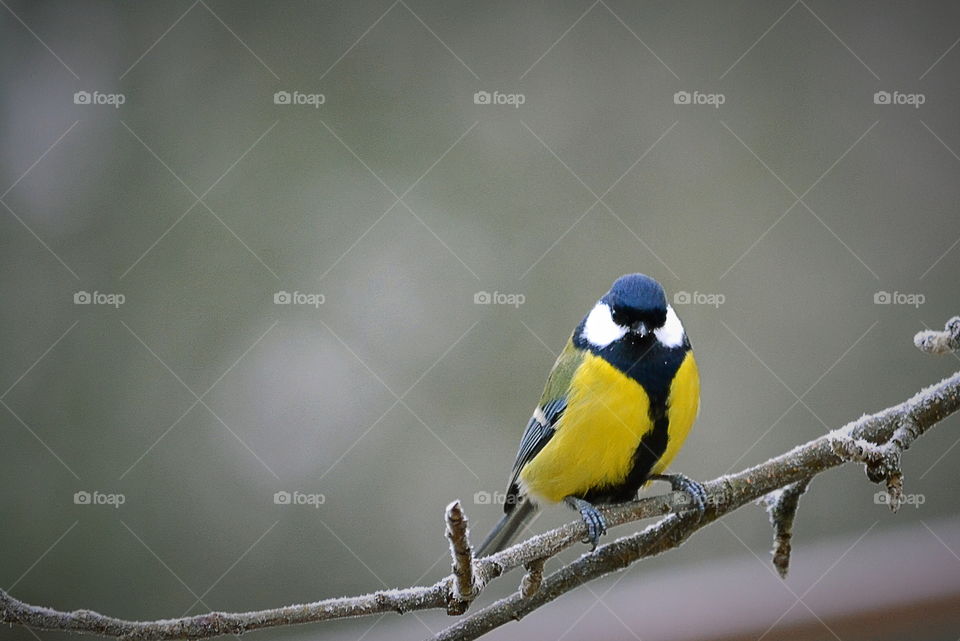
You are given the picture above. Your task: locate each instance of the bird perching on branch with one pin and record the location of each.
(618, 405)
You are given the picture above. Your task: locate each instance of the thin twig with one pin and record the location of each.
(464, 590)
(943, 342)
(532, 579)
(782, 505)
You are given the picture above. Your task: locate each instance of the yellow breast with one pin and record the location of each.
(607, 414)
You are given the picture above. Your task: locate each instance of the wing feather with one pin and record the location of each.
(544, 422)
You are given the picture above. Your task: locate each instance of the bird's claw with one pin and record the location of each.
(685, 484)
(596, 524)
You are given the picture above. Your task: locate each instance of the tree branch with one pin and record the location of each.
(877, 441)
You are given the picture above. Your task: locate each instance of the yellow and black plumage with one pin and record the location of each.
(618, 405)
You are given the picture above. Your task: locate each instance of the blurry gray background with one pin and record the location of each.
(783, 213)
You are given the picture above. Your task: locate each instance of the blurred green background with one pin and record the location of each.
(783, 213)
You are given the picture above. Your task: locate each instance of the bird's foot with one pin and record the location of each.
(596, 524)
(693, 489)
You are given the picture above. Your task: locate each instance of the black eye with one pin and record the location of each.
(621, 317)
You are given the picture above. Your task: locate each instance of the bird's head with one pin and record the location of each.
(635, 308)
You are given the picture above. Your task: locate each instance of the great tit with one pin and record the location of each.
(618, 405)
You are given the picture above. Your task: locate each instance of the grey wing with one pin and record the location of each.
(540, 430)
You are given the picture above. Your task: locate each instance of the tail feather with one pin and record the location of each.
(506, 529)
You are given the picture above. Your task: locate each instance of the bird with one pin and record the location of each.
(617, 407)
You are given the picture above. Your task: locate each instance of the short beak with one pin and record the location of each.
(639, 328)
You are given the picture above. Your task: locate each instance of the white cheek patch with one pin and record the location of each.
(671, 334)
(600, 330)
